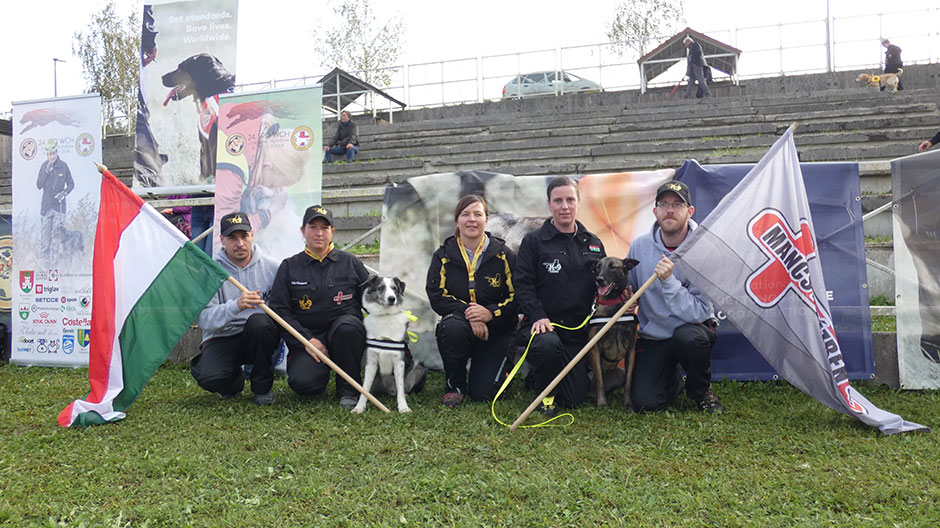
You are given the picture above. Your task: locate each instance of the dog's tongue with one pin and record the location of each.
(171, 95)
(603, 290)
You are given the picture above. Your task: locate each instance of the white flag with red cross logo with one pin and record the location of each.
(755, 257)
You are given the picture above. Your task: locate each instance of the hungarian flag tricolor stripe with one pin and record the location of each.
(149, 285)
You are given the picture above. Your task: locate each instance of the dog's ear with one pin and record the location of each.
(370, 281)
(399, 285)
(596, 267)
(629, 263)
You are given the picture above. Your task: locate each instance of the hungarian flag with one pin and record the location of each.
(149, 285)
(755, 257)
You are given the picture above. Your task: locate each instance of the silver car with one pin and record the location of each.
(550, 82)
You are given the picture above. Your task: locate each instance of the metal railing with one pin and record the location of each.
(810, 46)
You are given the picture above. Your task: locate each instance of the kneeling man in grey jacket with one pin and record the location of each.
(677, 324)
(235, 330)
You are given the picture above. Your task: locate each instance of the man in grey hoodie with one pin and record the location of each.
(235, 331)
(677, 323)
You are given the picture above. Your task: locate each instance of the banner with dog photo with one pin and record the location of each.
(915, 181)
(419, 215)
(55, 207)
(269, 163)
(187, 59)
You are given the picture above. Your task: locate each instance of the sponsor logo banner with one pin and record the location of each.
(55, 203)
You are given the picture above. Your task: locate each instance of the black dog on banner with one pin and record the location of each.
(203, 77)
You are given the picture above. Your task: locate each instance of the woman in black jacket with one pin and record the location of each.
(470, 285)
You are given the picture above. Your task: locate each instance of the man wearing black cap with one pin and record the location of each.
(235, 331)
(677, 324)
(317, 291)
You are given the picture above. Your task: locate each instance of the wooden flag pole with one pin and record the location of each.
(316, 354)
(590, 344)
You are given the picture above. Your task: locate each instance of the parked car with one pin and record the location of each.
(550, 82)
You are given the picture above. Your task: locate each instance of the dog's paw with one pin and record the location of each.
(359, 409)
(404, 409)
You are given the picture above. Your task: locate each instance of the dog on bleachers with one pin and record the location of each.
(889, 80)
(619, 343)
(387, 354)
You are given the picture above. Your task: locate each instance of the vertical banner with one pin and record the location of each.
(419, 215)
(187, 61)
(915, 182)
(269, 163)
(55, 207)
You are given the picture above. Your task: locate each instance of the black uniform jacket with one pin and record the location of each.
(554, 274)
(448, 285)
(311, 294)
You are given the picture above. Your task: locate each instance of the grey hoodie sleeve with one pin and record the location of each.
(217, 313)
(687, 303)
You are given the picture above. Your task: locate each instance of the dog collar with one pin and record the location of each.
(611, 302)
(625, 318)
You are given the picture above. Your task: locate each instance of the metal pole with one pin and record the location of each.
(55, 77)
(828, 39)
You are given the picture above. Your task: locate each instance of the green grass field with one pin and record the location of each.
(184, 457)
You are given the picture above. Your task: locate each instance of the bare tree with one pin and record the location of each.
(110, 54)
(637, 22)
(360, 42)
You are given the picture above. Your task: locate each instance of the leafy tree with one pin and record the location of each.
(360, 43)
(637, 22)
(110, 54)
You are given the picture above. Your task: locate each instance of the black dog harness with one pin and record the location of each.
(388, 344)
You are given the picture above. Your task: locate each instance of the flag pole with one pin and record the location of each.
(590, 344)
(312, 350)
(792, 127)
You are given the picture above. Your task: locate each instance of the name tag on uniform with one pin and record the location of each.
(299, 283)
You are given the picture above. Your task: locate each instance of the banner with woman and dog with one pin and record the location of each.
(187, 60)
(268, 163)
(55, 207)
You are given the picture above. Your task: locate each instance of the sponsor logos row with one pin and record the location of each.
(69, 342)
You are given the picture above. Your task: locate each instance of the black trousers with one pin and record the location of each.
(657, 379)
(218, 367)
(345, 342)
(456, 344)
(549, 353)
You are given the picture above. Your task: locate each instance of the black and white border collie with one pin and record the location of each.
(386, 336)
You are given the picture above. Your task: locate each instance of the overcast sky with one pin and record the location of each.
(274, 36)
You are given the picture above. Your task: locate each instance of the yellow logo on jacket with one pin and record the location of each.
(494, 281)
(305, 303)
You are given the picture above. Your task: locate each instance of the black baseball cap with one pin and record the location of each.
(318, 211)
(681, 189)
(234, 222)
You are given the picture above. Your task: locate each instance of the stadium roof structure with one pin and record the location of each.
(718, 55)
(340, 89)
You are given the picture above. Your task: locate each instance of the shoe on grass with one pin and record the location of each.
(265, 399)
(230, 396)
(709, 403)
(348, 402)
(547, 407)
(452, 399)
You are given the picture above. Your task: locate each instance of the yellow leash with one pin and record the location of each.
(512, 374)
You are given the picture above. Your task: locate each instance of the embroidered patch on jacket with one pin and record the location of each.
(494, 281)
(305, 303)
(596, 249)
(340, 297)
(553, 266)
